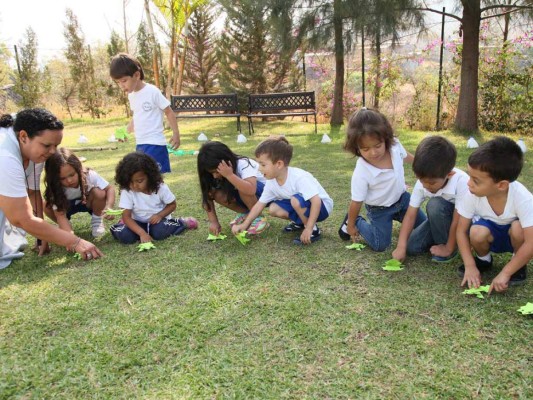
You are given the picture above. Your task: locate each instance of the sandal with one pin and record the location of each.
(257, 226)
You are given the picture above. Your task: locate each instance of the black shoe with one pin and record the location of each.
(314, 237)
(519, 277)
(293, 227)
(481, 265)
(343, 232)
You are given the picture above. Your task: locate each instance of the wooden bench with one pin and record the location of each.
(280, 105)
(212, 106)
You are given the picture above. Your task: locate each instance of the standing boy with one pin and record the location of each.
(443, 184)
(500, 211)
(148, 105)
(292, 193)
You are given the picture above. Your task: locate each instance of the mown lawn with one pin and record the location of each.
(195, 319)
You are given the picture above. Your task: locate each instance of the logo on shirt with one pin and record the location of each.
(147, 106)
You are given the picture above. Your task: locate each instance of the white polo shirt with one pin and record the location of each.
(93, 179)
(247, 168)
(519, 206)
(147, 105)
(380, 187)
(143, 206)
(455, 188)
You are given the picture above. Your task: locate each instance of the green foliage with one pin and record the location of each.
(145, 52)
(28, 84)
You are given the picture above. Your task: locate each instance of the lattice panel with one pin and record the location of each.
(283, 101)
(201, 103)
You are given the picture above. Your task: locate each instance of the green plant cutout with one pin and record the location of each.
(393, 265)
(241, 237)
(146, 246)
(77, 256)
(180, 152)
(213, 238)
(121, 133)
(478, 292)
(111, 211)
(527, 309)
(356, 246)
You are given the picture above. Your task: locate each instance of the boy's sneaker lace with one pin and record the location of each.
(97, 225)
(294, 227)
(481, 265)
(239, 219)
(519, 277)
(257, 226)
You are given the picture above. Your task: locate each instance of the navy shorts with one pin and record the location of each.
(293, 215)
(158, 153)
(76, 206)
(258, 192)
(500, 233)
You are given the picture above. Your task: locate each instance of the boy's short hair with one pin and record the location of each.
(501, 158)
(276, 148)
(124, 65)
(435, 157)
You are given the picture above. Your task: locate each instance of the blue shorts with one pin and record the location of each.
(293, 215)
(500, 233)
(76, 206)
(258, 191)
(158, 153)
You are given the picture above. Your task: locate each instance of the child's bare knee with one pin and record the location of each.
(479, 235)
(295, 203)
(516, 232)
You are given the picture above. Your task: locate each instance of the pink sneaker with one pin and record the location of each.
(239, 219)
(190, 222)
(258, 225)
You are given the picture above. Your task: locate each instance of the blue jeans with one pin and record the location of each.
(435, 229)
(377, 231)
(160, 231)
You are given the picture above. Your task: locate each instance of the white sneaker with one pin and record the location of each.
(97, 224)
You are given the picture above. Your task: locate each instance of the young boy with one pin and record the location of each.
(500, 211)
(148, 105)
(443, 184)
(292, 193)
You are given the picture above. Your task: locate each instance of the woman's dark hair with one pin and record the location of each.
(367, 122)
(54, 193)
(133, 163)
(124, 65)
(33, 121)
(211, 154)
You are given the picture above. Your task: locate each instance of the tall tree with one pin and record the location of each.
(28, 83)
(473, 12)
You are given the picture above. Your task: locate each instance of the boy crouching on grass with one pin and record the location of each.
(291, 193)
(496, 215)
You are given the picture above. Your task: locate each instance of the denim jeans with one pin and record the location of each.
(434, 230)
(159, 231)
(377, 231)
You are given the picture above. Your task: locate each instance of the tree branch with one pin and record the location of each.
(504, 6)
(437, 11)
(499, 15)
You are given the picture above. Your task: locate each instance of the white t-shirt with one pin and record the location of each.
(143, 206)
(93, 180)
(147, 105)
(380, 187)
(16, 181)
(456, 188)
(519, 206)
(247, 168)
(298, 182)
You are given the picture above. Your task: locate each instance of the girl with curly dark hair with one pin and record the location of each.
(71, 188)
(147, 202)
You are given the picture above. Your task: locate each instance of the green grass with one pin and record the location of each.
(195, 319)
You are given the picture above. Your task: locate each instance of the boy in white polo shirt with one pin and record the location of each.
(291, 193)
(496, 215)
(443, 184)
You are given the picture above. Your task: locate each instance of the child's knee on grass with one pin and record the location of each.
(96, 200)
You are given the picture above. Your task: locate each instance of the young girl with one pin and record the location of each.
(147, 202)
(71, 188)
(378, 180)
(232, 181)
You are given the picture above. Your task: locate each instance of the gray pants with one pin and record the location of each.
(12, 241)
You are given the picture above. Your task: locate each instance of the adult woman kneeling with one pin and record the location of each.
(35, 136)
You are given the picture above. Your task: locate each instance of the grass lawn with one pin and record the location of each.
(195, 319)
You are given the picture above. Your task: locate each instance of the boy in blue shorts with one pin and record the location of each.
(148, 105)
(495, 216)
(291, 193)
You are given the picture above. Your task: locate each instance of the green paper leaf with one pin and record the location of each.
(527, 309)
(241, 237)
(212, 237)
(77, 255)
(111, 211)
(393, 265)
(478, 292)
(146, 246)
(356, 246)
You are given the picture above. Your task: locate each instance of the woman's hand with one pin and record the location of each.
(86, 250)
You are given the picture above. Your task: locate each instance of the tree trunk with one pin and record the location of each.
(466, 117)
(168, 91)
(377, 85)
(155, 65)
(125, 28)
(337, 111)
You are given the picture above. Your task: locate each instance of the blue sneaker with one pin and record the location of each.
(445, 260)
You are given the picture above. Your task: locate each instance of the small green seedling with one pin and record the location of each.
(111, 211)
(213, 238)
(356, 246)
(393, 265)
(146, 246)
(241, 237)
(527, 309)
(478, 292)
(77, 255)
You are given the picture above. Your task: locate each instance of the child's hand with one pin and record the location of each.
(109, 217)
(155, 219)
(440, 250)
(145, 238)
(225, 169)
(235, 229)
(472, 277)
(399, 254)
(500, 283)
(43, 248)
(305, 237)
(175, 141)
(352, 231)
(215, 228)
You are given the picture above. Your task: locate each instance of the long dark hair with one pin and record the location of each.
(210, 155)
(55, 193)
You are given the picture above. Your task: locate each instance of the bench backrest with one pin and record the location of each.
(205, 102)
(282, 101)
